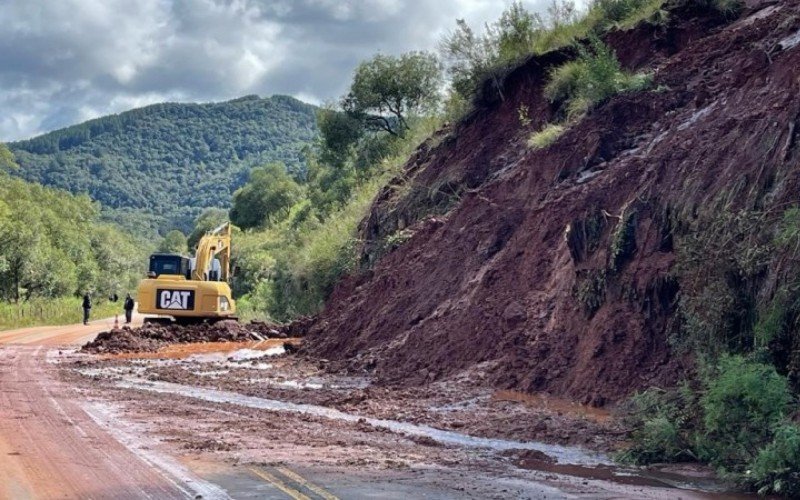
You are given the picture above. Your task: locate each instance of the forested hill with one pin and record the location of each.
(159, 166)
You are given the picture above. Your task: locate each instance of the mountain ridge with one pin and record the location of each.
(157, 167)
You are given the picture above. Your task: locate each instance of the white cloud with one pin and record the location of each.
(65, 61)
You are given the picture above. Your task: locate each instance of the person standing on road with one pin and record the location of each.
(128, 308)
(87, 307)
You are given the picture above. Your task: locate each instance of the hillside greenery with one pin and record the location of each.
(54, 245)
(159, 167)
(299, 237)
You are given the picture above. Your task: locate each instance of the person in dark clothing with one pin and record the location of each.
(128, 308)
(87, 307)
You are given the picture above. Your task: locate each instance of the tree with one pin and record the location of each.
(210, 219)
(386, 89)
(269, 193)
(516, 32)
(339, 132)
(7, 161)
(173, 242)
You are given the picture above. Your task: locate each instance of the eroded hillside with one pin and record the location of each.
(577, 268)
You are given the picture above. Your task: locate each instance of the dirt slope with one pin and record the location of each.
(554, 269)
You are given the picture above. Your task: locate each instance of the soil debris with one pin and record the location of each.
(152, 337)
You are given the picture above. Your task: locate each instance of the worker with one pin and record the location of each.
(87, 307)
(128, 308)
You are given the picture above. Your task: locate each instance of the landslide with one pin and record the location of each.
(151, 337)
(556, 269)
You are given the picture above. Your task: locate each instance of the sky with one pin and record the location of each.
(66, 61)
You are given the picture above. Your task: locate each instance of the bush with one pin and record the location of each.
(743, 403)
(776, 469)
(662, 422)
(545, 137)
(738, 423)
(474, 58)
(564, 81)
(591, 79)
(730, 8)
(628, 13)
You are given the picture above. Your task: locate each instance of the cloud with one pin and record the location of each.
(70, 60)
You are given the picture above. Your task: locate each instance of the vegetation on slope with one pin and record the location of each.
(158, 167)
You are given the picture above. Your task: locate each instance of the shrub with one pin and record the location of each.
(628, 13)
(662, 422)
(545, 137)
(623, 241)
(564, 81)
(743, 403)
(474, 58)
(776, 469)
(730, 8)
(591, 79)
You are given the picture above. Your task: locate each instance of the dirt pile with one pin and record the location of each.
(555, 269)
(152, 337)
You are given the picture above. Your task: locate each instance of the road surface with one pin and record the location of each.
(58, 443)
(49, 446)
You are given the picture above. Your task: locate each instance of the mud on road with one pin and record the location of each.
(230, 408)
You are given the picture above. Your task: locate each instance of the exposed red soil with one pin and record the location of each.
(496, 283)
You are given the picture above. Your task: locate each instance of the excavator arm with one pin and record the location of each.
(215, 244)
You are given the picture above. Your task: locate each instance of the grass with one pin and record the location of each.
(579, 85)
(58, 311)
(545, 137)
(603, 16)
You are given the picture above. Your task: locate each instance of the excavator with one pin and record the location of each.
(188, 290)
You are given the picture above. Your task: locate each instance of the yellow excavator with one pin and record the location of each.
(190, 290)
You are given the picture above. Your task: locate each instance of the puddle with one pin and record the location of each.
(211, 373)
(550, 403)
(237, 356)
(561, 454)
(184, 351)
(712, 487)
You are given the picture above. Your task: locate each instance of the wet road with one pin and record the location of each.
(57, 442)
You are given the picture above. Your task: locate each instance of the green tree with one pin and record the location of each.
(173, 242)
(515, 32)
(268, 194)
(339, 132)
(51, 245)
(7, 161)
(386, 89)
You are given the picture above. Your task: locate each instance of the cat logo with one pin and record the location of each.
(175, 299)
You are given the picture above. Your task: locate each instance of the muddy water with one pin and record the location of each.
(564, 460)
(712, 487)
(554, 404)
(182, 351)
(560, 454)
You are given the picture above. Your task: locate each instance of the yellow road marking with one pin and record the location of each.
(304, 482)
(279, 484)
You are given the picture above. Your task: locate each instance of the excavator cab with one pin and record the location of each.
(168, 263)
(190, 290)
